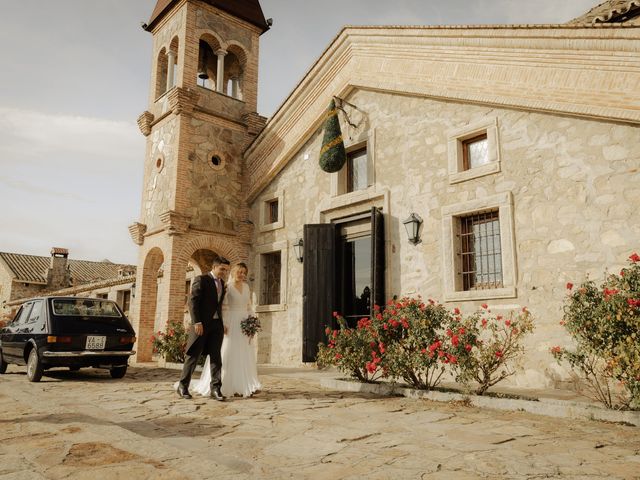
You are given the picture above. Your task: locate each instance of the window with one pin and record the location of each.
(36, 312)
(474, 151)
(126, 301)
(358, 173)
(357, 170)
(271, 211)
(479, 260)
(22, 315)
(270, 278)
(102, 295)
(480, 251)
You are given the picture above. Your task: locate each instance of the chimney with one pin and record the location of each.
(58, 275)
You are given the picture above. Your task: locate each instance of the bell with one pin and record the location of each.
(203, 75)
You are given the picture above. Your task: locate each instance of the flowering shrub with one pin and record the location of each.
(349, 350)
(605, 325)
(425, 339)
(498, 343)
(171, 343)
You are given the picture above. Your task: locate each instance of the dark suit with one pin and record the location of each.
(206, 308)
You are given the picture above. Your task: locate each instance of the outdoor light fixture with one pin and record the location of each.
(133, 289)
(412, 224)
(299, 246)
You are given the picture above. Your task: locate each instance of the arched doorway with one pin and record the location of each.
(148, 292)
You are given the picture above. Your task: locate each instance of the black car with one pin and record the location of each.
(68, 332)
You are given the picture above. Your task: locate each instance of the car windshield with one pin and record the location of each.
(82, 307)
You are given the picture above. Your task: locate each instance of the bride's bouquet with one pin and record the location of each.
(250, 326)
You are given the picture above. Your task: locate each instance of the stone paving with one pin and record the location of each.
(86, 425)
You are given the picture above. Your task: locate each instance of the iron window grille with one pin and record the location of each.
(270, 283)
(480, 251)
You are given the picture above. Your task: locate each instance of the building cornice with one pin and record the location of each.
(588, 72)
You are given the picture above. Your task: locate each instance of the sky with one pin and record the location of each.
(75, 77)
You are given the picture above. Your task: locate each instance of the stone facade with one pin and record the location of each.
(564, 173)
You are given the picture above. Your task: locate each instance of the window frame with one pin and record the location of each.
(459, 169)
(283, 248)
(451, 214)
(339, 180)
(266, 225)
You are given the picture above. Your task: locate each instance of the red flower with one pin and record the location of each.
(338, 356)
(633, 302)
(485, 306)
(499, 354)
(327, 330)
(456, 311)
(381, 347)
(634, 257)
(405, 324)
(452, 359)
(569, 285)
(562, 322)
(609, 292)
(335, 314)
(424, 350)
(484, 322)
(507, 323)
(449, 332)
(455, 340)
(556, 349)
(376, 308)
(467, 347)
(461, 331)
(335, 333)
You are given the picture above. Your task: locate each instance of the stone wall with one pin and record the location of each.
(574, 188)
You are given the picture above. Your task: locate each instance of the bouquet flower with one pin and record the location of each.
(250, 326)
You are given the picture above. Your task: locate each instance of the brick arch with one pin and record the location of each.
(148, 291)
(239, 51)
(227, 247)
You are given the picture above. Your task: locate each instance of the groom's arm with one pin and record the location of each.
(195, 301)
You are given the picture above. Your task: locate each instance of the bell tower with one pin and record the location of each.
(201, 116)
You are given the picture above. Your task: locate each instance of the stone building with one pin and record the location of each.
(513, 147)
(25, 276)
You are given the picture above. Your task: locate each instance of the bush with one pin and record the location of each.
(427, 338)
(604, 322)
(349, 349)
(498, 345)
(171, 344)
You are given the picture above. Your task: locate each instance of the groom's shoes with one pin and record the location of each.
(216, 394)
(183, 392)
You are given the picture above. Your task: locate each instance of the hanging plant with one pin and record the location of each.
(332, 155)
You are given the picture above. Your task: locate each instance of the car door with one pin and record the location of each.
(12, 338)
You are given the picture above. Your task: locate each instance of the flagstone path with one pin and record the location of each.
(85, 425)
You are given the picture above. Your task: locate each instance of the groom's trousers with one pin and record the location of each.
(208, 344)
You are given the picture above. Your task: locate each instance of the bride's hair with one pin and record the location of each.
(238, 266)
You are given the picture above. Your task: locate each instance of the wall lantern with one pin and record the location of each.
(412, 224)
(299, 246)
(133, 289)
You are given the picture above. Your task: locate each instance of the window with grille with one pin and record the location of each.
(475, 151)
(272, 211)
(357, 174)
(270, 279)
(480, 250)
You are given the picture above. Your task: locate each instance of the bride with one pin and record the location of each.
(239, 370)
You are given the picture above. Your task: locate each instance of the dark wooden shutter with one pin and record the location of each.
(318, 291)
(377, 258)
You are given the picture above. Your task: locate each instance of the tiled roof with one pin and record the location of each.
(248, 10)
(611, 11)
(33, 268)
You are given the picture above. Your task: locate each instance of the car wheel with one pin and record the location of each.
(3, 364)
(34, 367)
(118, 372)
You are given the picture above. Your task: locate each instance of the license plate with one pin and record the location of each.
(95, 343)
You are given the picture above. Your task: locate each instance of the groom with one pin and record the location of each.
(207, 330)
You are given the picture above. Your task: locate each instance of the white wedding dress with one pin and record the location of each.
(239, 370)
